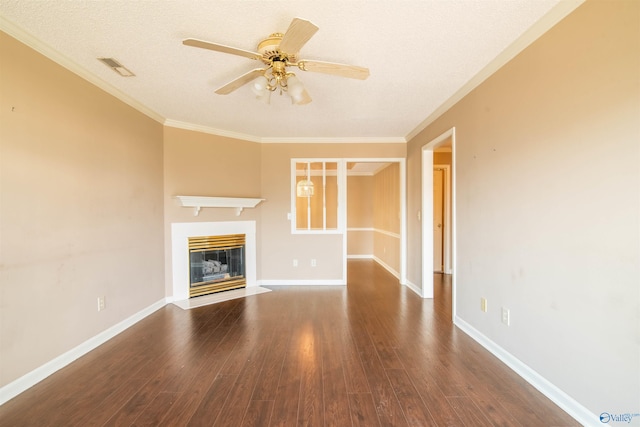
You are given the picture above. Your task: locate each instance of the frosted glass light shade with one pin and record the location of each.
(295, 88)
(259, 86)
(304, 188)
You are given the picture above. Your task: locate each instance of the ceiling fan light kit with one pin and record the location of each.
(277, 52)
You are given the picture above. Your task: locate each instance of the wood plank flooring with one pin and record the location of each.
(370, 354)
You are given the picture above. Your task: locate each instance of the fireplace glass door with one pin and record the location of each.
(217, 263)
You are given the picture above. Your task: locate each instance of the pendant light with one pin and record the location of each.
(304, 188)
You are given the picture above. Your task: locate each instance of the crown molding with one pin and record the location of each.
(335, 140)
(285, 140)
(46, 50)
(544, 24)
(210, 130)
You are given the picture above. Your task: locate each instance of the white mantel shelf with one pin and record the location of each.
(198, 202)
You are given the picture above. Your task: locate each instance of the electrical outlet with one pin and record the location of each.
(313, 262)
(506, 316)
(101, 304)
(483, 304)
(295, 262)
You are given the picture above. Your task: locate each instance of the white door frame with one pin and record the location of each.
(427, 215)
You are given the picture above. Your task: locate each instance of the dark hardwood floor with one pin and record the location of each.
(370, 354)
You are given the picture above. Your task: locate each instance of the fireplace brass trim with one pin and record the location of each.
(217, 287)
(229, 241)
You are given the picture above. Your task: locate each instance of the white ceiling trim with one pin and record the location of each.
(253, 138)
(339, 140)
(210, 130)
(74, 67)
(543, 25)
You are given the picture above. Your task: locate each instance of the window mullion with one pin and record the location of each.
(308, 198)
(324, 196)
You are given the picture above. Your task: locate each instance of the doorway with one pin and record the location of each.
(438, 219)
(376, 213)
(430, 221)
(442, 211)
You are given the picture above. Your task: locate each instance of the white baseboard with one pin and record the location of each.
(335, 282)
(30, 379)
(387, 267)
(544, 386)
(360, 256)
(415, 288)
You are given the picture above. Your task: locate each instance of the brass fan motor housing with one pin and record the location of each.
(269, 48)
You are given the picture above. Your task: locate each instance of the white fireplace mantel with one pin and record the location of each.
(198, 202)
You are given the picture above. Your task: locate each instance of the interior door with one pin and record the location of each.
(438, 220)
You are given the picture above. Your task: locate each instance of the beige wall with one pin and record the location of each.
(360, 243)
(278, 246)
(547, 169)
(80, 210)
(360, 215)
(199, 164)
(386, 246)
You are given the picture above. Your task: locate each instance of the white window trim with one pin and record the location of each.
(342, 196)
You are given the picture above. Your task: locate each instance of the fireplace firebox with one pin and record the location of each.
(216, 264)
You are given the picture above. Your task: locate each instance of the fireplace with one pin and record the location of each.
(216, 264)
(180, 265)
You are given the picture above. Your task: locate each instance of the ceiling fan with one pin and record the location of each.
(278, 52)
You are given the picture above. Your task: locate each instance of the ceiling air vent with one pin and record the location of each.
(117, 67)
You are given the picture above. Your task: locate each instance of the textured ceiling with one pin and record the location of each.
(420, 55)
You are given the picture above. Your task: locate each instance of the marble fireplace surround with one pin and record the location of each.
(180, 233)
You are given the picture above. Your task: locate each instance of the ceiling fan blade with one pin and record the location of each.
(240, 81)
(350, 71)
(297, 35)
(221, 48)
